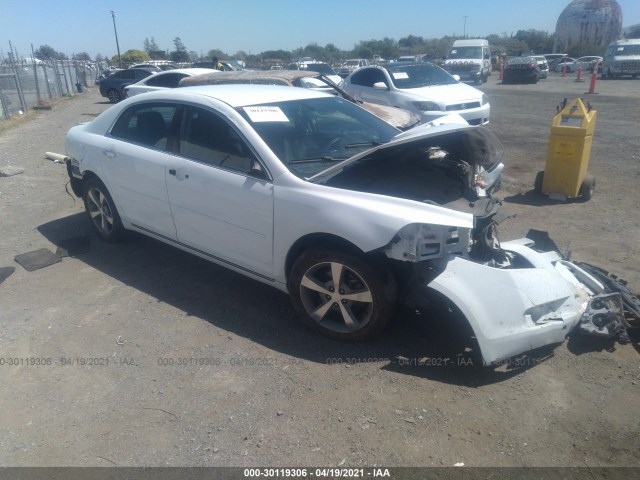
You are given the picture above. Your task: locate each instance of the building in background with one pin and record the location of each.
(588, 22)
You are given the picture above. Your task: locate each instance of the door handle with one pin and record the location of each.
(109, 153)
(174, 172)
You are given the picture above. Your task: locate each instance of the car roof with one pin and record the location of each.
(246, 76)
(188, 71)
(239, 95)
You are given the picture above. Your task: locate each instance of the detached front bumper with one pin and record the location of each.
(536, 302)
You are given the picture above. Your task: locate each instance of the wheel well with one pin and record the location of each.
(87, 175)
(324, 240)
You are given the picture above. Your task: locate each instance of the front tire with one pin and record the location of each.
(102, 211)
(341, 296)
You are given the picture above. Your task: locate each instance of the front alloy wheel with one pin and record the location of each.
(341, 296)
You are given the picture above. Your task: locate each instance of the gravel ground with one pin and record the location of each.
(113, 325)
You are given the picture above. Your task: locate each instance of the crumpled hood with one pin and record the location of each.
(484, 148)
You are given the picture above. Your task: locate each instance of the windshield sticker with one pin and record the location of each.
(453, 52)
(266, 114)
(620, 49)
(400, 75)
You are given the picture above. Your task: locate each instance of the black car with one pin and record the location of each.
(521, 69)
(112, 87)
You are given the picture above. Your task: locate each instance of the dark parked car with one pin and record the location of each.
(112, 87)
(521, 69)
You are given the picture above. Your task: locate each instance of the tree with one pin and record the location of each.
(216, 53)
(132, 56)
(179, 45)
(411, 42)
(150, 45)
(99, 58)
(45, 52)
(180, 54)
(81, 57)
(582, 50)
(538, 41)
(634, 32)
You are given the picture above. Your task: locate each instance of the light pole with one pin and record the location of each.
(464, 33)
(113, 16)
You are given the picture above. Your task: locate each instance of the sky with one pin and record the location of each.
(254, 26)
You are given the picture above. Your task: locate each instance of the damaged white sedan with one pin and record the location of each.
(319, 198)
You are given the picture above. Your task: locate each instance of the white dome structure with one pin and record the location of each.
(591, 22)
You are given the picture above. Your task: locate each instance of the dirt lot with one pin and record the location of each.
(113, 325)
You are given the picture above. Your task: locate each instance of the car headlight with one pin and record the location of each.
(485, 99)
(427, 106)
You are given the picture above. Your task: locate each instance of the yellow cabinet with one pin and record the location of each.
(565, 172)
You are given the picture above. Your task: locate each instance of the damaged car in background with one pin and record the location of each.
(319, 81)
(315, 196)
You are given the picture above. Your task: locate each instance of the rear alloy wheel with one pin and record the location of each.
(114, 96)
(102, 211)
(340, 295)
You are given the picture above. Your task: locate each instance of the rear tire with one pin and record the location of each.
(114, 95)
(101, 211)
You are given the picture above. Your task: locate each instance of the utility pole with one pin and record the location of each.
(464, 34)
(113, 16)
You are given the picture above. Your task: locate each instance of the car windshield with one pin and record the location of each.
(465, 52)
(520, 60)
(416, 76)
(311, 135)
(626, 50)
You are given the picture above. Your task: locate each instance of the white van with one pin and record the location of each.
(621, 58)
(470, 60)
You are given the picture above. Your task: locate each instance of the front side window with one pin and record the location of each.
(146, 124)
(208, 138)
(125, 75)
(367, 77)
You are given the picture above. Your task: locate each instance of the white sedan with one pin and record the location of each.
(162, 80)
(319, 198)
(424, 89)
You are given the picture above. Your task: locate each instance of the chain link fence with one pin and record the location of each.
(27, 85)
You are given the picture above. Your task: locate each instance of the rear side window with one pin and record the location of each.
(169, 80)
(146, 124)
(125, 75)
(140, 74)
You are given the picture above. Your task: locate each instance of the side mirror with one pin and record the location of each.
(257, 170)
(380, 86)
(487, 57)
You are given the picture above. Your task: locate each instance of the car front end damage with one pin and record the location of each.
(514, 296)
